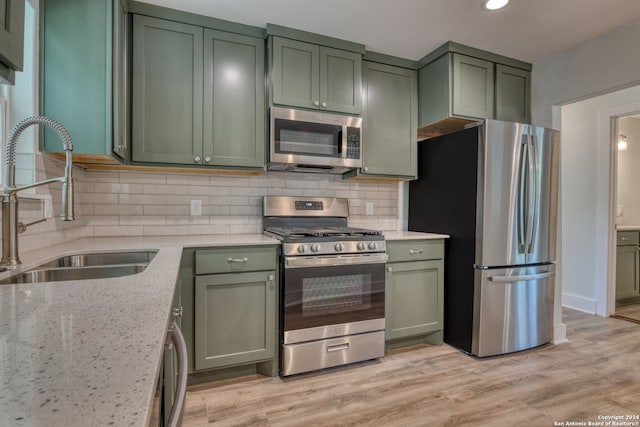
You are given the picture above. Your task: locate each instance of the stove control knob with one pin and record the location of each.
(315, 247)
(362, 246)
(373, 246)
(302, 248)
(339, 247)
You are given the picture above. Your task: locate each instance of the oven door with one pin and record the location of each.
(332, 296)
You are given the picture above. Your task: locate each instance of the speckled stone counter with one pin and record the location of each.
(412, 235)
(87, 352)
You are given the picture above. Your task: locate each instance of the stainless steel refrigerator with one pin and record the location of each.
(494, 189)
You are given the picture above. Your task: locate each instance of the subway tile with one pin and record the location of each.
(229, 200)
(163, 189)
(174, 179)
(118, 210)
(101, 176)
(166, 230)
(167, 210)
(197, 230)
(244, 229)
(100, 199)
(145, 220)
(103, 220)
(188, 220)
(143, 178)
(220, 181)
(208, 190)
(284, 191)
(216, 210)
(245, 210)
(142, 199)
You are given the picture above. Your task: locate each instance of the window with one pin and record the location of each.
(21, 101)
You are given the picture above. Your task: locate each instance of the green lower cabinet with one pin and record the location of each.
(414, 292)
(235, 319)
(627, 272)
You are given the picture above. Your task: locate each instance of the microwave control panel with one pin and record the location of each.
(353, 143)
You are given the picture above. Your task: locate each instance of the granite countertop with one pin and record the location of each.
(87, 352)
(412, 235)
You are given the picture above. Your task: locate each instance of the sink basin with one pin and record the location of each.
(98, 265)
(74, 273)
(101, 258)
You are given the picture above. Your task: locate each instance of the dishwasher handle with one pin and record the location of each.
(177, 410)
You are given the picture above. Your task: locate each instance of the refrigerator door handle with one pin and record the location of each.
(503, 279)
(522, 191)
(534, 192)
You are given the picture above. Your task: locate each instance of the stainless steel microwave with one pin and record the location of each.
(314, 141)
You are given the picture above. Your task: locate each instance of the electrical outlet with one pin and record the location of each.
(368, 208)
(196, 207)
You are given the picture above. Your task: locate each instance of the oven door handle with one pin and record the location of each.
(325, 261)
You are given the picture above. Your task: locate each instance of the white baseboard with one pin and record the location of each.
(560, 333)
(587, 305)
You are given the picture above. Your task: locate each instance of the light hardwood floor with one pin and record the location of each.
(631, 311)
(596, 373)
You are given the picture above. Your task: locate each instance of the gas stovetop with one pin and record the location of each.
(317, 226)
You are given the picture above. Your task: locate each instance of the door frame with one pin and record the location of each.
(608, 131)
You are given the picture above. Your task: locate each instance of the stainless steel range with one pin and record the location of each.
(333, 278)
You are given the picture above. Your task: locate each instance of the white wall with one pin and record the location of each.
(605, 64)
(629, 173)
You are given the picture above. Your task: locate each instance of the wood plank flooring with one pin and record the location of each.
(631, 311)
(596, 373)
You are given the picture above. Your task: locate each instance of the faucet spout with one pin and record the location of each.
(10, 225)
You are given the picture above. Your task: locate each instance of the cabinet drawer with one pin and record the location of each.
(627, 238)
(235, 259)
(415, 250)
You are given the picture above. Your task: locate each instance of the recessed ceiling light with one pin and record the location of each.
(494, 4)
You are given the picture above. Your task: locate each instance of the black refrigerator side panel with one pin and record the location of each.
(443, 200)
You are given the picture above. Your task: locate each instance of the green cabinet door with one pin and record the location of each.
(166, 91)
(414, 298)
(473, 87)
(513, 86)
(235, 319)
(75, 60)
(120, 58)
(390, 116)
(234, 100)
(307, 75)
(340, 80)
(627, 271)
(11, 38)
(295, 73)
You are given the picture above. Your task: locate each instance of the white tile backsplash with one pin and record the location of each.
(157, 204)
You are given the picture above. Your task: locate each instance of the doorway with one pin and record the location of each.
(626, 137)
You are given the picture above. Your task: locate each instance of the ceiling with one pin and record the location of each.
(528, 30)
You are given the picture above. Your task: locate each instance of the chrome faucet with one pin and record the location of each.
(10, 225)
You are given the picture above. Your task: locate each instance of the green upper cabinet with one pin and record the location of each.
(11, 38)
(513, 89)
(198, 95)
(80, 58)
(458, 84)
(389, 118)
(472, 87)
(234, 100)
(167, 91)
(309, 75)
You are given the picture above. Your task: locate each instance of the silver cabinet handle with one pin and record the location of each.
(207, 159)
(624, 238)
(316, 103)
(197, 159)
(365, 168)
(271, 277)
(415, 251)
(230, 260)
(389, 269)
(177, 311)
(324, 105)
(177, 410)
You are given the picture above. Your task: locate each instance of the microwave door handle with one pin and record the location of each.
(342, 136)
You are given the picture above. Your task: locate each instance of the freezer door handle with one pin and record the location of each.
(503, 279)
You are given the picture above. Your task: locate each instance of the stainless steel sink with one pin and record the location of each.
(101, 258)
(74, 273)
(99, 265)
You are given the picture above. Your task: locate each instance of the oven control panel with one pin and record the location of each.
(334, 248)
(308, 205)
